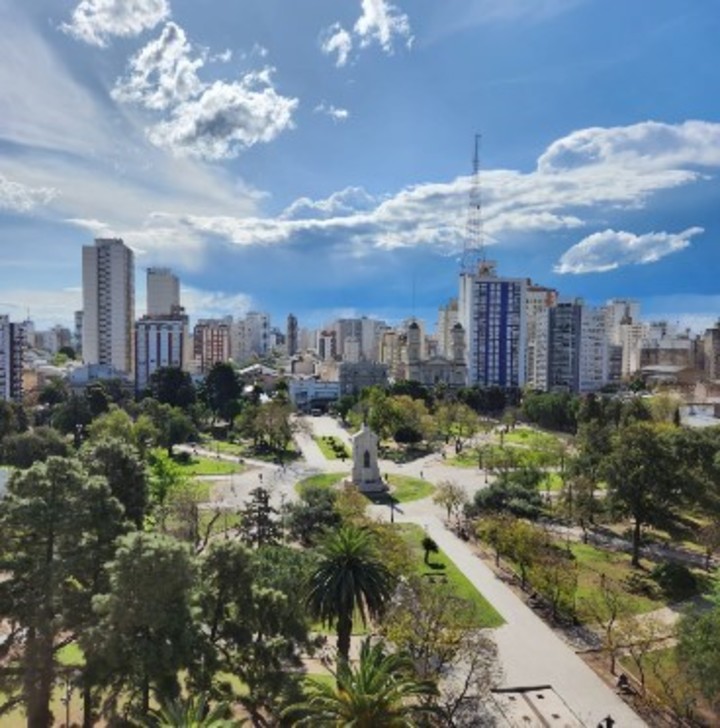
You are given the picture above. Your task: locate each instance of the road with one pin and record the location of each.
(531, 654)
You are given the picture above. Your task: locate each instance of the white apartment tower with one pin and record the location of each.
(108, 304)
(160, 341)
(12, 348)
(491, 310)
(538, 301)
(447, 318)
(163, 292)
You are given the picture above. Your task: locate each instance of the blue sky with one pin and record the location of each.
(315, 156)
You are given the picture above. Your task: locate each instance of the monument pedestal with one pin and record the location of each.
(366, 472)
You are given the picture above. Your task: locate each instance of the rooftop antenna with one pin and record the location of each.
(474, 248)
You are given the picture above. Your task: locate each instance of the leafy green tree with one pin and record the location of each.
(24, 449)
(313, 515)
(124, 471)
(641, 473)
(172, 386)
(55, 392)
(273, 426)
(145, 633)
(9, 422)
(259, 524)
(252, 623)
(221, 391)
(551, 410)
(381, 690)
(191, 712)
(349, 576)
(58, 525)
(513, 493)
(166, 478)
(72, 416)
(524, 545)
(429, 547)
(451, 496)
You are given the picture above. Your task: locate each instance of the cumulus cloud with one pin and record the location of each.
(337, 40)
(17, 197)
(517, 205)
(163, 73)
(610, 249)
(380, 23)
(226, 118)
(205, 121)
(95, 21)
(214, 304)
(335, 113)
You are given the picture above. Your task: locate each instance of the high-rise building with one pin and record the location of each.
(491, 311)
(292, 335)
(711, 348)
(77, 333)
(12, 348)
(447, 318)
(163, 292)
(108, 304)
(538, 300)
(160, 341)
(211, 342)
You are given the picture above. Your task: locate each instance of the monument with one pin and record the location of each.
(365, 472)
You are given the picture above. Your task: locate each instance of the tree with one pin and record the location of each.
(191, 713)
(258, 520)
(145, 633)
(429, 547)
(698, 649)
(313, 515)
(166, 478)
(381, 690)
(72, 416)
(124, 472)
(252, 623)
(432, 628)
(451, 496)
(524, 545)
(221, 391)
(508, 494)
(24, 449)
(57, 526)
(555, 576)
(641, 474)
(349, 576)
(172, 386)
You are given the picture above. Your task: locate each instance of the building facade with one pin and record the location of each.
(211, 343)
(12, 350)
(160, 341)
(163, 292)
(108, 304)
(492, 314)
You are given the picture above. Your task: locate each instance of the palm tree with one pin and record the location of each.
(191, 713)
(349, 576)
(381, 691)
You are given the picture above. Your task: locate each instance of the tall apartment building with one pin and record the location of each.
(492, 313)
(160, 341)
(538, 301)
(252, 336)
(447, 318)
(711, 347)
(618, 313)
(292, 335)
(577, 348)
(78, 332)
(211, 342)
(163, 292)
(108, 304)
(12, 348)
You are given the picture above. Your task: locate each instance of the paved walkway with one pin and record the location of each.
(531, 654)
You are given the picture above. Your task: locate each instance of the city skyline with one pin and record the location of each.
(316, 160)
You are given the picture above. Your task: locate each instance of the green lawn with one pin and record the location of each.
(330, 446)
(403, 488)
(223, 446)
(533, 438)
(324, 480)
(201, 465)
(457, 582)
(551, 481)
(593, 562)
(70, 655)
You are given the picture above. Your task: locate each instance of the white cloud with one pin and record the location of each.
(610, 249)
(381, 22)
(17, 197)
(337, 40)
(349, 201)
(214, 304)
(95, 21)
(226, 118)
(204, 121)
(46, 307)
(335, 113)
(163, 73)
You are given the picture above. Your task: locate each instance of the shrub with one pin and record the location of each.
(676, 581)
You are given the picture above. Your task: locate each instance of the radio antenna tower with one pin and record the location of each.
(474, 248)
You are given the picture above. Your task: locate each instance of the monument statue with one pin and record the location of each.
(365, 472)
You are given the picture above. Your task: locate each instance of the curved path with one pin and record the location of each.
(531, 654)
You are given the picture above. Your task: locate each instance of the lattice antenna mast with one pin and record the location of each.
(474, 239)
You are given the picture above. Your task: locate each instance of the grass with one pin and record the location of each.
(200, 465)
(551, 482)
(223, 446)
(457, 583)
(533, 438)
(593, 562)
(330, 447)
(404, 488)
(70, 656)
(322, 480)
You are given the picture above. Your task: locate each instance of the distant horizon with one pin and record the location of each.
(318, 160)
